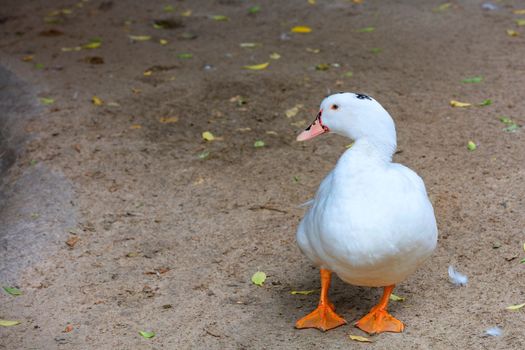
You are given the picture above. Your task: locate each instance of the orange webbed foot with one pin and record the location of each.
(379, 321)
(322, 318)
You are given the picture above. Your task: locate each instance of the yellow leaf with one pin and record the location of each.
(394, 297)
(97, 101)
(148, 73)
(163, 41)
(208, 136)
(168, 120)
(309, 49)
(524, 246)
(140, 37)
(301, 29)
(511, 32)
(28, 58)
(92, 45)
(455, 103)
(258, 66)
(292, 112)
(186, 13)
(275, 56)
(258, 278)
(7, 323)
(519, 12)
(302, 292)
(515, 307)
(135, 126)
(360, 338)
(520, 22)
(311, 2)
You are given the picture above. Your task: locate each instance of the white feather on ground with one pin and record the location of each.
(308, 203)
(456, 277)
(494, 332)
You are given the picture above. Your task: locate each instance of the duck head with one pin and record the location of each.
(356, 116)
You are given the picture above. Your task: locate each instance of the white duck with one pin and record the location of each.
(371, 221)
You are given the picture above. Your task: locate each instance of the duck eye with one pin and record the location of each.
(334, 107)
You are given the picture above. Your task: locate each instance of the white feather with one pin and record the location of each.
(494, 332)
(456, 277)
(308, 203)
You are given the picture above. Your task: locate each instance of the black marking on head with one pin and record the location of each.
(363, 97)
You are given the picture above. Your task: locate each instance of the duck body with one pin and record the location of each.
(371, 221)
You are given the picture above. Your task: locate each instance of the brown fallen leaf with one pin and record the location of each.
(50, 33)
(68, 328)
(76, 147)
(72, 240)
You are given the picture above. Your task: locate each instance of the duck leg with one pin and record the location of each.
(324, 317)
(378, 319)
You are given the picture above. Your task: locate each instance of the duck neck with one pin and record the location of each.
(370, 150)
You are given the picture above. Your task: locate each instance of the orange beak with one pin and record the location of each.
(315, 129)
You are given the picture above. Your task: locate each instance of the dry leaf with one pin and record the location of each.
(292, 112)
(258, 66)
(139, 37)
(519, 12)
(394, 297)
(511, 32)
(135, 126)
(72, 241)
(97, 101)
(168, 120)
(455, 103)
(186, 13)
(301, 29)
(515, 307)
(302, 292)
(360, 338)
(148, 73)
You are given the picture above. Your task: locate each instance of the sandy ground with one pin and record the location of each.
(137, 194)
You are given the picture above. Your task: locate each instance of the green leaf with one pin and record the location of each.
(394, 297)
(349, 74)
(522, 261)
(39, 65)
(46, 101)
(258, 143)
(515, 307)
(203, 155)
(185, 56)
(471, 145)
(220, 18)
(366, 30)
(13, 291)
(169, 8)
(7, 323)
(295, 179)
(302, 292)
(471, 80)
(376, 50)
(258, 278)
(506, 120)
(146, 334)
(486, 102)
(512, 128)
(254, 9)
(322, 66)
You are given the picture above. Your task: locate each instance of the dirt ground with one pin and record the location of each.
(171, 227)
